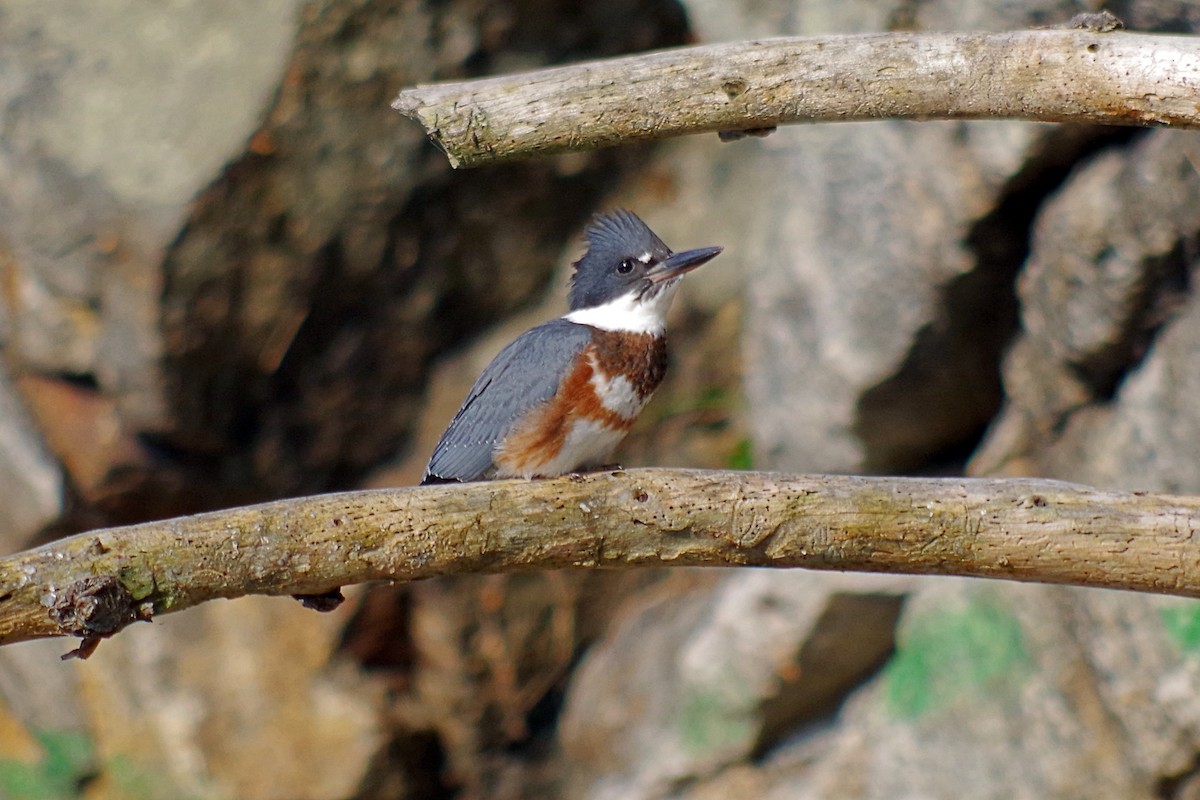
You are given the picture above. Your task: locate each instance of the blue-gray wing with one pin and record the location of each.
(524, 374)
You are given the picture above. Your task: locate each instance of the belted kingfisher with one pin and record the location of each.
(561, 396)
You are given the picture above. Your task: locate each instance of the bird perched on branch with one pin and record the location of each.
(561, 396)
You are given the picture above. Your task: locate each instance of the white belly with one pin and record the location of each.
(588, 444)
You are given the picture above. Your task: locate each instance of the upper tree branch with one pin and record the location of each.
(95, 583)
(1058, 75)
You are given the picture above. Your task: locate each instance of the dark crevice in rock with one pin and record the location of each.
(934, 410)
(1166, 285)
(378, 635)
(851, 641)
(317, 279)
(413, 765)
(1184, 785)
(346, 393)
(80, 380)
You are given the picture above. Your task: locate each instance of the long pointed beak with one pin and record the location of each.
(679, 263)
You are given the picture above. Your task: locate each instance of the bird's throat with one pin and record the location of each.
(634, 312)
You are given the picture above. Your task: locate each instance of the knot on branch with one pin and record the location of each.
(95, 608)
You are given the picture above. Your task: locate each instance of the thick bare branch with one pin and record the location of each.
(94, 584)
(1059, 75)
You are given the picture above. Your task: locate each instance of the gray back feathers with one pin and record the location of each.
(522, 376)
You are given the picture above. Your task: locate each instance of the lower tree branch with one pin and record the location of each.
(1058, 75)
(94, 584)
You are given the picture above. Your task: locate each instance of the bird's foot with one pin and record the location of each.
(577, 475)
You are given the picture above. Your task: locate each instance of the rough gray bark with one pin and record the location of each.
(1105, 77)
(94, 584)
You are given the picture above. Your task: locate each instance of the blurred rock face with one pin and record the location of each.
(225, 251)
(1100, 381)
(1000, 297)
(228, 266)
(230, 271)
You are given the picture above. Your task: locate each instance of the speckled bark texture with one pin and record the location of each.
(97, 583)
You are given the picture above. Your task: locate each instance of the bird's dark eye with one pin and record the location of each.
(626, 266)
